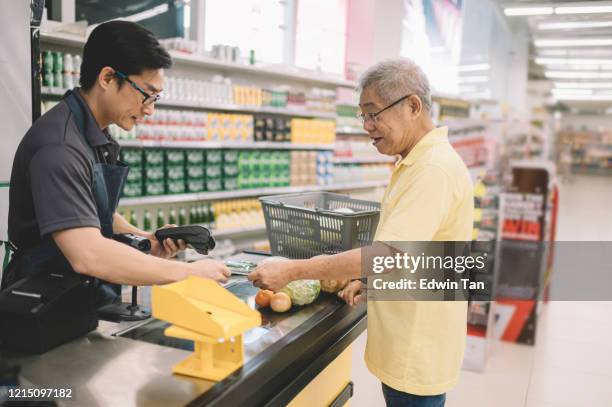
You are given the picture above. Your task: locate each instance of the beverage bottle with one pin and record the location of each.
(147, 220)
(205, 215)
(76, 69)
(68, 69)
(211, 215)
(133, 218)
(193, 215)
(172, 217)
(182, 217)
(160, 218)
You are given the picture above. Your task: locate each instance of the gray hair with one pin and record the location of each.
(395, 78)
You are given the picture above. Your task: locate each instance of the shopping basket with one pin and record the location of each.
(304, 225)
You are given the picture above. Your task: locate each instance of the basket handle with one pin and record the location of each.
(273, 202)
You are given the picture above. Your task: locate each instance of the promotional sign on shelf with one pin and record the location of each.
(523, 252)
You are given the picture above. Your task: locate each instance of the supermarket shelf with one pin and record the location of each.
(243, 193)
(293, 74)
(245, 109)
(48, 91)
(285, 72)
(364, 160)
(208, 145)
(58, 92)
(350, 130)
(65, 39)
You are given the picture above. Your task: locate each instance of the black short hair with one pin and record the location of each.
(124, 46)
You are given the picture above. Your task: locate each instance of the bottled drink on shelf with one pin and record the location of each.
(147, 220)
(182, 218)
(211, 215)
(133, 218)
(193, 215)
(160, 218)
(202, 217)
(172, 216)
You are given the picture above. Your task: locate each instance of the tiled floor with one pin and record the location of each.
(571, 364)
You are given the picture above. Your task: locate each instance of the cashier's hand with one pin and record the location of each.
(212, 269)
(169, 249)
(353, 293)
(273, 275)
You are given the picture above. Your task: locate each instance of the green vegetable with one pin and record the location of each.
(302, 292)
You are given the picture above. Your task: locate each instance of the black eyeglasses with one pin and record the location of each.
(373, 117)
(148, 98)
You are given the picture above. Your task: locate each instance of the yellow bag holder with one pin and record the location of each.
(206, 313)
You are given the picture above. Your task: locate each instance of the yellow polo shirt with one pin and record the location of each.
(417, 346)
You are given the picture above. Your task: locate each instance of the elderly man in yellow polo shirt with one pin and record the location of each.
(414, 347)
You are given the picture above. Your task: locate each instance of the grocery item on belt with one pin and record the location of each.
(302, 292)
(280, 302)
(333, 286)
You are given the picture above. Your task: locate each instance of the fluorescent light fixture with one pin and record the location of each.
(583, 9)
(473, 68)
(473, 79)
(574, 25)
(573, 42)
(601, 52)
(575, 68)
(572, 91)
(583, 85)
(577, 75)
(572, 61)
(586, 98)
(528, 11)
(148, 13)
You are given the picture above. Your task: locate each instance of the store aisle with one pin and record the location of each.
(570, 364)
(573, 352)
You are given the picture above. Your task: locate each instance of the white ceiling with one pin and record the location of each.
(585, 60)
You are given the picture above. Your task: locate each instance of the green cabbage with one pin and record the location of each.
(302, 292)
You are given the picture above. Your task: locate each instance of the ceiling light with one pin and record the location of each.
(528, 11)
(473, 68)
(575, 68)
(583, 9)
(573, 42)
(145, 15)
(587, 98)
(572, 25)
(572, 91)
(578, 75)
(583, 85)
(572, 61)
(600, 52)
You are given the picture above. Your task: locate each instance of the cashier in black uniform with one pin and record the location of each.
(66, 179)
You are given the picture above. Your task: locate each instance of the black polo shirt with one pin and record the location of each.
(51, 180)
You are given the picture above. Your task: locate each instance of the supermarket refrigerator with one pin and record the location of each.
(19, 90)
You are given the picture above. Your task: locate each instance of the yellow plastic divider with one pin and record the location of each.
(215, 319)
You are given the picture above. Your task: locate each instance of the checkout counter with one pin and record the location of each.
(298, 358)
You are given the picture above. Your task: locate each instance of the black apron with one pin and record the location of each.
(46, 257)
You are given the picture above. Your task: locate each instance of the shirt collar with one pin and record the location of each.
(95, 137)
(436, 136)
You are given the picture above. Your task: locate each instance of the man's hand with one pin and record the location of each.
(169, 248)
(273, 275)
(212, 269)
(353, 293)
